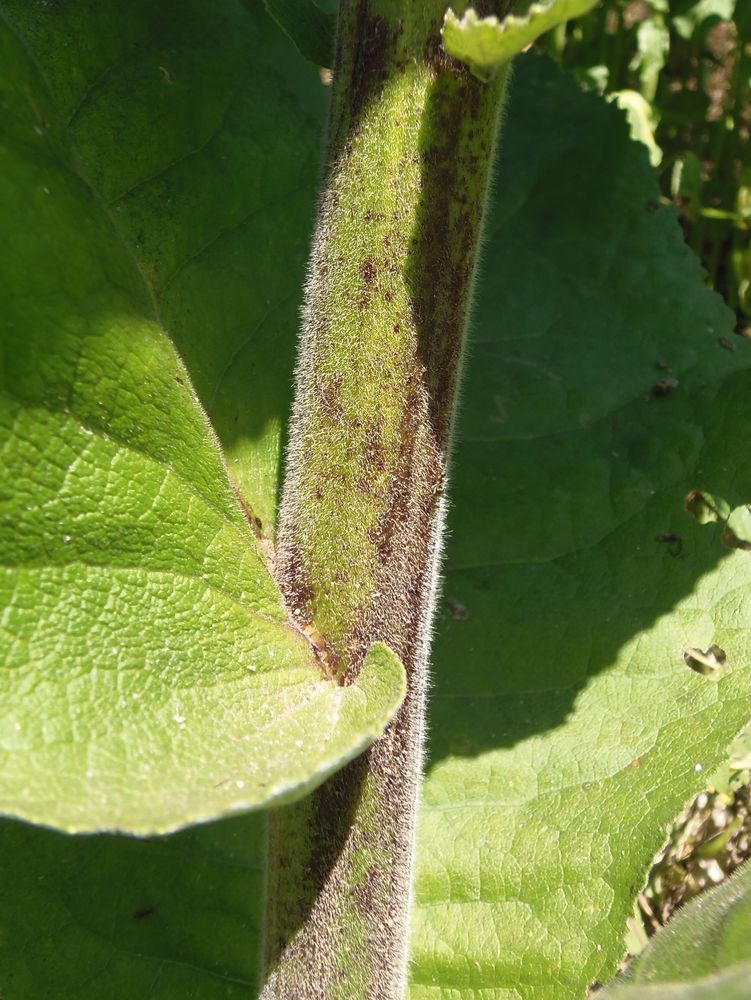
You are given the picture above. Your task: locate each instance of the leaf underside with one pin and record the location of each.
(565, 727)
(704, 953)
(486, 43)
(149, 676)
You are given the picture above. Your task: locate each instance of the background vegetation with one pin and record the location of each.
(681, 70)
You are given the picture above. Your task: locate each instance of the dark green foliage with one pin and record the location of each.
(691, 62)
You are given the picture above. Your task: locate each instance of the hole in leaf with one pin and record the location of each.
(706, 507)
(664, 387)
(711, 662)
(456, 609)
(674, 543)
(737, 533)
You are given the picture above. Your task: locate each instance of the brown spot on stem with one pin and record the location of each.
(374, 451)
(298, 589)
(330, 396)
(368, 271)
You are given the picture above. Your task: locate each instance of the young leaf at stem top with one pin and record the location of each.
(486, 43)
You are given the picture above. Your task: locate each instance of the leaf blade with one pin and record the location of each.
(566, 728)
(150, 675)
(309, 27)
(702, 953)
(486, 43)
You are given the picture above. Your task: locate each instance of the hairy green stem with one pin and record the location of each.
(411, 138)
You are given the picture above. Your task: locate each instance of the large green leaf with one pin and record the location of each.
(548, 691)
(74, 913)
(195, 130)
(149, 677)
(704, 953)
(566, 728)
(309, 27)
(173, 918)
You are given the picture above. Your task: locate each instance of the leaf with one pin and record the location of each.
(486, 43)
(566, 729)
(309, 27)
(209, 162)
(641, 120)
(732, 984)
(150, 676)
(653, 43)
(706, 509)
(686, 184)
(696, 18)
(737, 532)
(704, 952)
(171, 917)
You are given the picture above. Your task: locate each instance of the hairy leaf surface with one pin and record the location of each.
(704, 952)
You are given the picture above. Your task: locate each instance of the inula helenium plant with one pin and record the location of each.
(335, 610)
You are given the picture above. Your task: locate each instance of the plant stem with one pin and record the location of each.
(411, 138)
